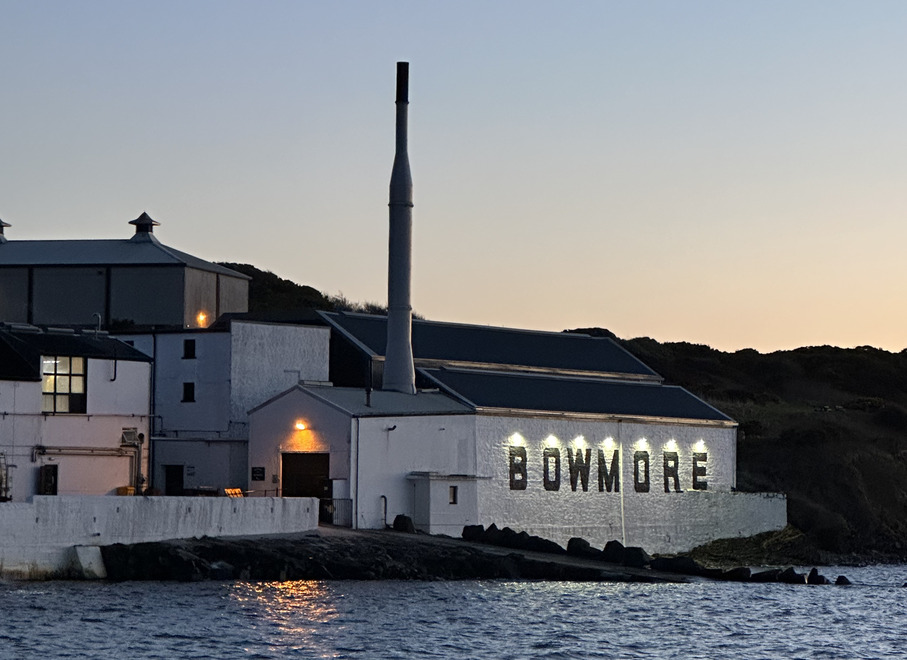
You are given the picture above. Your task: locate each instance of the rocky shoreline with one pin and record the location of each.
(492, 553)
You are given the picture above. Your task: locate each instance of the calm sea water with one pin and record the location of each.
(457, 619)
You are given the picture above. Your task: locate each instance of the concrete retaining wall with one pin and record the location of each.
(38, 537)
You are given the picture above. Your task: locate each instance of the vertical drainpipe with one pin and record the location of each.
(399, 372)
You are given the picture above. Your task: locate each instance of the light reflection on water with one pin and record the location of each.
(457, 619)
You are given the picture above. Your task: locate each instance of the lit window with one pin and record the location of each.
(63, 384)
(453, 494)
(188, 392)
(188, 349)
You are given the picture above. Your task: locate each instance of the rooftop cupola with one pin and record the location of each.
(144, 227)
(3, 225)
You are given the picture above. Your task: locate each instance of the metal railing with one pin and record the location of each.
(336, 512)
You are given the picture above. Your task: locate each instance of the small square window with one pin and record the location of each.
(188, 392)
(453, 494)
(188, 349)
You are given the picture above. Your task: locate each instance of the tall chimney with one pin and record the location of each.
(399, 372)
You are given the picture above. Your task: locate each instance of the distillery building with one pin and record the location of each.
(114, 283)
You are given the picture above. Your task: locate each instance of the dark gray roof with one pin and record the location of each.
(534, 392)
(455, 343)
(97, 252)
(381, 403)
(21, 348)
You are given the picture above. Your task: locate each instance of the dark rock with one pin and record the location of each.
(404, 524)
(493, 535)
(790, 576)
(473, 532)
(771, 575)
(578, 547)
(614, 552)
(712, 573)
(842, 581)
(815, 577)
(221, 570)
(636, 557)
(682, 565)
(738, 574)
(509, 538)
(538, 544)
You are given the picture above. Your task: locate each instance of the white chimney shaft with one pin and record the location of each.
(399, 372)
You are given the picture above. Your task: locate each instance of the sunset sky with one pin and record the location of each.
(724, 173)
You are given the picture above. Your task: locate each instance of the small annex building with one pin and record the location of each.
(114, 283)
(557, 434)
(74, 413)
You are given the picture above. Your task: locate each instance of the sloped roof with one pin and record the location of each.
(21, 350)
(380, 403)
(461, 344)
(97, 252)
(534, 392)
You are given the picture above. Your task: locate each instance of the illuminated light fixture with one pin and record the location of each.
(642, 443)
(609, 442)
(671, 445)
(552, 441)
(517, 440)
(699, 446)
(580, 442)
(300, 425)
(202, 320)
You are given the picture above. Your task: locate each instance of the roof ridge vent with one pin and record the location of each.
(144, 227)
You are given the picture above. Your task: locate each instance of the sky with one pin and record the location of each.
(722, 173)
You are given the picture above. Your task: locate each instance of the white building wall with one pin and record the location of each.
(113, 405)
(209, 415)
(385, 458)
(659, 521)
(270, 358)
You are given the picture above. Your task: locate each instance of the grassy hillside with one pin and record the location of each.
(827, 426)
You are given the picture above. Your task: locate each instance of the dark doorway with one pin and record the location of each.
(308, 475)
(47, 480)
(173, 480)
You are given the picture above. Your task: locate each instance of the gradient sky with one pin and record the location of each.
(725, 173)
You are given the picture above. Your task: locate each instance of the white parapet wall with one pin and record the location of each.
(669, 524)
(38, 537)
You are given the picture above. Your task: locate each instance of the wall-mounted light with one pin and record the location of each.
(552, 441)
(300, 425)
(642, 444)
(700, 446)
(608, 443)
(671, 445)
(579, 442)
(201, 320)
(517, 440)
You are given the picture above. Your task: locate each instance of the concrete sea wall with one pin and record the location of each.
(38, 538)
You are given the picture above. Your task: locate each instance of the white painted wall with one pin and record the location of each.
(659, 521)
(38, 536)
(268, 358)
(113, 405)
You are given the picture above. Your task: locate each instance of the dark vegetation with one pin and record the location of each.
(269, 293)
(825, 425)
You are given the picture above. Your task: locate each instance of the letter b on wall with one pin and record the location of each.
(517, 468)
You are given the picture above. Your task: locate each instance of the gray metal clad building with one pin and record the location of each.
(123, 282)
